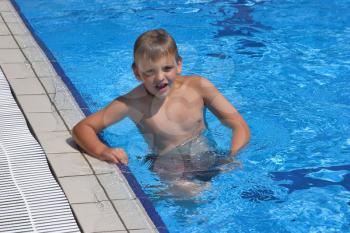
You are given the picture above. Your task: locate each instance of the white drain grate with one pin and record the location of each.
(30, 198)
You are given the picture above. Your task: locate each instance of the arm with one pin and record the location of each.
(226, 113)
(85, 132)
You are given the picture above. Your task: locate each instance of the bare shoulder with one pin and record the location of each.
(124, 102)
(199, 83)
(191, 79)
(135, 102)
(133, 95)
(196, 81)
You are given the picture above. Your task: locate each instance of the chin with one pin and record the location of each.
(162, 95)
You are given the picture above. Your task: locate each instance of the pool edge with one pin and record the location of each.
(131, 180)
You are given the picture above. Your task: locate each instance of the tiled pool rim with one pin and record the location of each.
(135, 186)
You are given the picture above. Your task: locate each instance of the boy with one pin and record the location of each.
(168, 110)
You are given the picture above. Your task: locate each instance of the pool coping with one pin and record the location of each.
(52, 107)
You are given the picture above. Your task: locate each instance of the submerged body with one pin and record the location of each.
(194, 160)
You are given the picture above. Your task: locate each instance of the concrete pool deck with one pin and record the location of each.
(99, 195)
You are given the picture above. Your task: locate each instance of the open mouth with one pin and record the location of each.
(161, 86)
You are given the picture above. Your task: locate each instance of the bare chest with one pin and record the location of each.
(177, 118)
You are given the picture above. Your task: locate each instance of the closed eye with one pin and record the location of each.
(148, 73)
(168, 68)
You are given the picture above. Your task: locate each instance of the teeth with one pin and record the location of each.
(161, 86)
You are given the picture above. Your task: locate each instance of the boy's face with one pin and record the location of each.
(158, 76)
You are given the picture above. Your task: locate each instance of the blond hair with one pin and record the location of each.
(155, 44)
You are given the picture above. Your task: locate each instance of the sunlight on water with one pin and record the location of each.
(283, 64)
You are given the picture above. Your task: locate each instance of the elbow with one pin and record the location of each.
(247, 132)
(239, 127)
(244, 131)
(75, 132)
(83, 128)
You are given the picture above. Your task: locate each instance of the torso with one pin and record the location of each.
(168, 123)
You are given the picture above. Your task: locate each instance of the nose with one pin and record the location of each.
(160, 76)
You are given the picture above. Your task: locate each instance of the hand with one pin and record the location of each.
(233, 153)
(237, 163)
(233, 160)
(114, 155)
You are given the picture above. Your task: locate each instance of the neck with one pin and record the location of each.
(148, 93)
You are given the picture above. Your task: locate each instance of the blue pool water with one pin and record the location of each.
(285, 66)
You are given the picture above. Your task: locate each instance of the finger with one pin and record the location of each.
(113, 156)
(122, 156)
(125, 158)
(113, 159)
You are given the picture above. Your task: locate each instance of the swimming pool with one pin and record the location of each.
(284, 65)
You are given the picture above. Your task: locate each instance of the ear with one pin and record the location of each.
(179, 67)
(136, 71)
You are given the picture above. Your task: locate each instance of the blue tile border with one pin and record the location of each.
(134, 184)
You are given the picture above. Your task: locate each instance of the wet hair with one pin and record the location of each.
(155, 44)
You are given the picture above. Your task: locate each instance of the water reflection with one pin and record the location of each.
(242, 25)
(310, 177)
(259, 194)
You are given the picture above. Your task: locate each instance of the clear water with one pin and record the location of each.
(285, 66)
